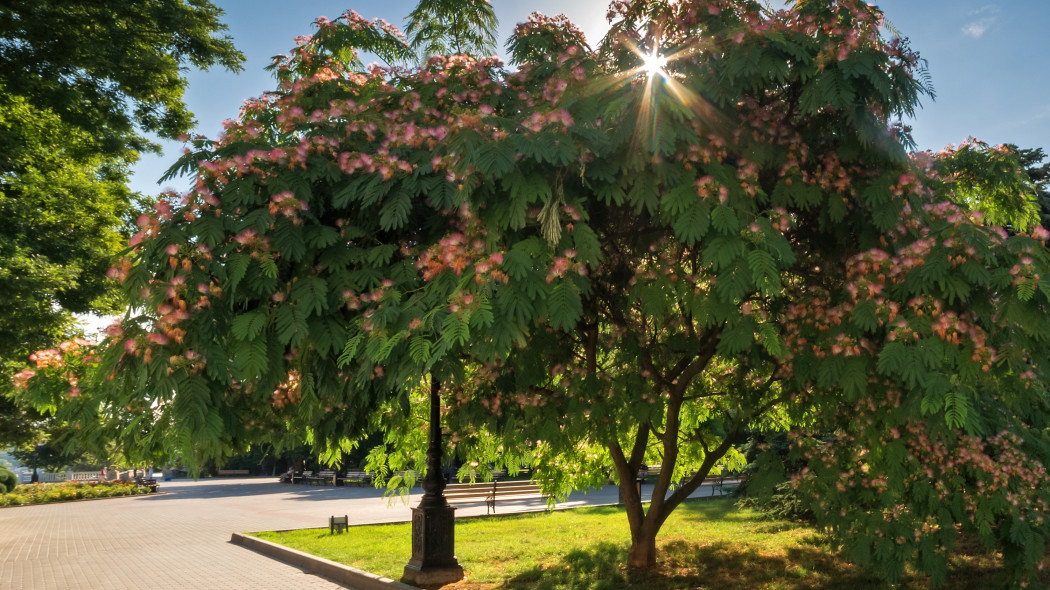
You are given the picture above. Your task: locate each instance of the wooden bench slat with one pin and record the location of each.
(488, 492)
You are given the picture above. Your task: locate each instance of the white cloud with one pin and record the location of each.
(987, 8)
(983, 19)
(977, 28)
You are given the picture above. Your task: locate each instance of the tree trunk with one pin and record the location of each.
(644, 527)
(643, 549)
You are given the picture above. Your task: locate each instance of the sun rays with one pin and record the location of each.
(663, 82)
(653, 63)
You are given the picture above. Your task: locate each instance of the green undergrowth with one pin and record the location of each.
(44, 493)
(704, 544)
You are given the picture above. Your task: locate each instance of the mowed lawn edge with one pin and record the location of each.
(708, 543)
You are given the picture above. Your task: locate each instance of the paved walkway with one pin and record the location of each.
(179, 538)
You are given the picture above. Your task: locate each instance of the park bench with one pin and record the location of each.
(355, 478)
(233, 472)
(717, 482)
(489, 492)
(653, 472)
(358, 478)
(497, 474)
(317, 478)
(149, 483)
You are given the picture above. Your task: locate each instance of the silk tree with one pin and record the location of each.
(611, 256)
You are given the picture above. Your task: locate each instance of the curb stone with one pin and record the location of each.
(337, 572)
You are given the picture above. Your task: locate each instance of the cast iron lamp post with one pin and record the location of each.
(433, 521)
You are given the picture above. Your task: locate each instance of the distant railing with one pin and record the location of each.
(57, 476)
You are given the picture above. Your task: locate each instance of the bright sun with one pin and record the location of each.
(653, 63)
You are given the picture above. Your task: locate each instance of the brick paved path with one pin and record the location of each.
(176, 539)
(179, 539)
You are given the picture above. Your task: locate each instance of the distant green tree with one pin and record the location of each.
(19, 422)
(450, 27)
(81, 86)
(66, 214)
(44, 456)
(1031, 160)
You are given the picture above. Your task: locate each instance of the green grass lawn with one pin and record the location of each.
(704, 544)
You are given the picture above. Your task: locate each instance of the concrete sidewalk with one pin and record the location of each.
(179, 538)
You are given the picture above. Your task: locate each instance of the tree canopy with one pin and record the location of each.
(112, 68)
(607, 260)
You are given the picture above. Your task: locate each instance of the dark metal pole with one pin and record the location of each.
(433, 521)
(434, 482)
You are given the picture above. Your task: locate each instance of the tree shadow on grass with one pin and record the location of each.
(687, 565)
(727, 566)
(696, 565)
(599, 567)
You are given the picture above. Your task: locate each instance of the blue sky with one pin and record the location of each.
(989, 63)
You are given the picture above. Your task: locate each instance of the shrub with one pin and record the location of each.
(8, 480)
(784, 503)
(67, 491)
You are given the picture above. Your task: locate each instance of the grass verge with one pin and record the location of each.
(704, 544)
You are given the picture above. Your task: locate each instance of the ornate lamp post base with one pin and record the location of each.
(433, 543)
(433, 521)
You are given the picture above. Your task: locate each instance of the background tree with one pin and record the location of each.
(66, 217)
(81, 87)
(20, 423)
(1039, 174)
(113, 68)
(451, 27)
(605, 259)
(46, 457)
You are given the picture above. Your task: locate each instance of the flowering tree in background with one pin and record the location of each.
(611, 257)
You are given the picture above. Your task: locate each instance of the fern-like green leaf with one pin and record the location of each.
(248, 325)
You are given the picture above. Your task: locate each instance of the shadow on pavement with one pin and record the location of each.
(212, 488)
